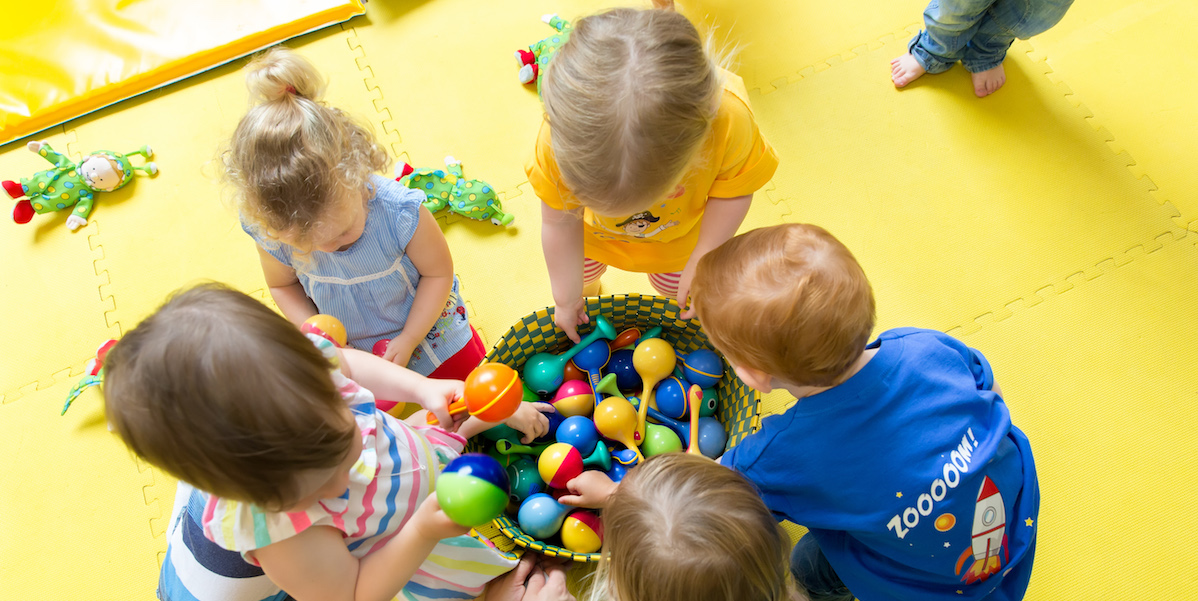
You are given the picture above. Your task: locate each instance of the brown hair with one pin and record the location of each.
(630, 98)
(683, 528)
(789, 300)
(293, 158)
(228, 396)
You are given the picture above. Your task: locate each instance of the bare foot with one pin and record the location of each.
(905, 69)
(989, 81)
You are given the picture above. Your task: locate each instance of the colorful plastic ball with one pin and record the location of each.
(574, 398)
(710, 402)
(582, 532)
(571, 372)
(327, 327)
(670, 397)
(625, 457)
(525, 480)
(493, 392)
(559, 464)
(555, 422)
(703, 367)
(579, 432)
(617, 471)
(712, 437)
(659, 439)
(621, 365)
(380, 348)
(473, 489)
(541, 516)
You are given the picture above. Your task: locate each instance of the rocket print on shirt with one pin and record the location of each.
(989, 535)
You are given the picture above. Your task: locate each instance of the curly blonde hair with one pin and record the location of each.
(630, 99)
(293, 158)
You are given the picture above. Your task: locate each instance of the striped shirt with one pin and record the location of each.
(371, 285)
(210, 536)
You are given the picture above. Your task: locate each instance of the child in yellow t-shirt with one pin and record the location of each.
(654, 142)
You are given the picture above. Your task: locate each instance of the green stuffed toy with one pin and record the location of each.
(448, 189)
(533, 60)
(70, 184)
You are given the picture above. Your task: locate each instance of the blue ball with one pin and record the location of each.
(617, 471)
(670, 397)
(712, 437)
(555, 422)
(541, 516)
(480, 466)
(621, 365)
(703, 367)
(579, 432)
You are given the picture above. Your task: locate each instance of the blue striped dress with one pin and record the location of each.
(371, 285)
(208, 537)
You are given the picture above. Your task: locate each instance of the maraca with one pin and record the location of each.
(571, 372)
(654, 359)
(712, 437)
(600, 458)
(620, 365)
(624, 339)
(659, 440)
(626, 457)
(525, 480)
(574, 398)
(541, 516)
(670, 397)
(592, 359)
(543, 371)
(616, 420)
(326, 326)
(493, 393)
(711, 401)
(507, 447)
(703, 367)
(580, 433)
(695, 396)
(555, 422)
(617, 471)
(582, 532)
(472, 489)
(559, 464)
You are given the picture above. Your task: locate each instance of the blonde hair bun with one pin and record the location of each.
(281, 73)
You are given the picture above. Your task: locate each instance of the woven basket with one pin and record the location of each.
(739, 410)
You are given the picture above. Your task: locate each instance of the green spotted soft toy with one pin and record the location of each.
(448, 189)
(533, 60)
(70, 185)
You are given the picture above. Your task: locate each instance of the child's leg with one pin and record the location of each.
(949, 25)
(814, 574)
(1005, 21)
(666, 284)
(592, 270)
(462, 362)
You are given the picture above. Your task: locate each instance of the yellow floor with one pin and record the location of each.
(1048, 226)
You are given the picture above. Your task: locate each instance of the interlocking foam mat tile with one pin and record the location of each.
(1028, 223)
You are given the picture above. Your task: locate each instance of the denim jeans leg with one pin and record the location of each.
(814, 574)
(1005, 21)
(948, 27)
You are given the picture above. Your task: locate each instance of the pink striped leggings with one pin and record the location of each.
(666, 284)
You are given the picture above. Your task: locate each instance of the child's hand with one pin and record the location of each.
(399, 351)
(684, 290)
(530, 421)
(589, 489)
(534, 579)
(436, 395)
(432, 524)
(568, 316)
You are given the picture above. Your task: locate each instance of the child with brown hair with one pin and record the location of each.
(680, 527)
(291, 480)
(334, 236)
(648, 156)
(899, 457)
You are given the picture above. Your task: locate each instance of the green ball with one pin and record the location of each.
(469, 500)
(658, 440)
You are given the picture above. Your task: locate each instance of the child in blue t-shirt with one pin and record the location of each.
(899, 457)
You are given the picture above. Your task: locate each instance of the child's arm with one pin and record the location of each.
(429, 252)
(316, 565)
(561, 241)
(392, 382)
(286, 289)
(721, 218)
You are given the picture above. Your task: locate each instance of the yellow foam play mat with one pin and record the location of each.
(1052, 225)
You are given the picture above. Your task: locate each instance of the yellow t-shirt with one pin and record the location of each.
(735, 161)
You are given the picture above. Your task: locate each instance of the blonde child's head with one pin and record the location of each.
(681, 527)
(300, 167)
(630, 98)
(788, 300)
(228, 396)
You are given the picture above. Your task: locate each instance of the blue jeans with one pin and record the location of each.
(814, 574)
(978, 32)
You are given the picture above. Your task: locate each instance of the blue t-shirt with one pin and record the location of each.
(371, 285)
(910, 475)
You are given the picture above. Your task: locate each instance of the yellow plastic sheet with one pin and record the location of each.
(63, 58)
